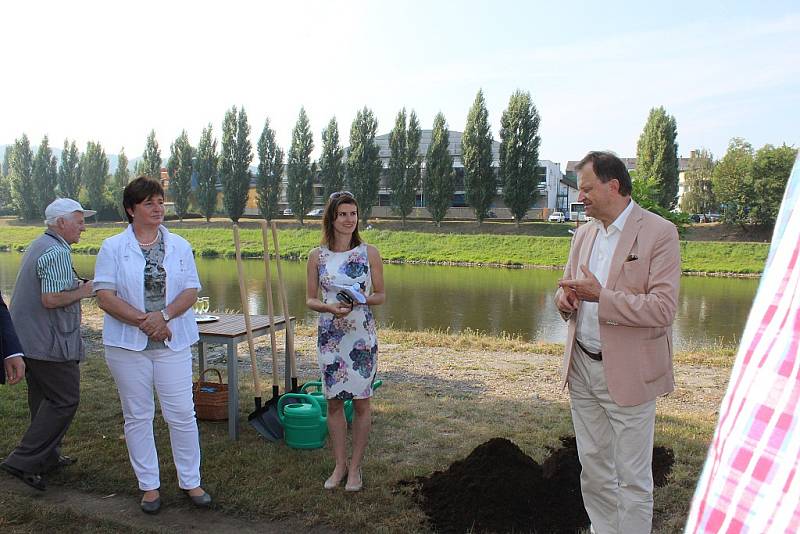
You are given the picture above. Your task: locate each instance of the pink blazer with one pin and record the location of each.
(636, 308)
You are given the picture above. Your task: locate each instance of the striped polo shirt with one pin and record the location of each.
(54, 268)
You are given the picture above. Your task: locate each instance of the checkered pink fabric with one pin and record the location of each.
(750, 482)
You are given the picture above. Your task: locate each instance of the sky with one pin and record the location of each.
(112, 71)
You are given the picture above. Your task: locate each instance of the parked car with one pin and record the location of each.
(288, 211)
(556, 216)
(713, 217)
(316, 212)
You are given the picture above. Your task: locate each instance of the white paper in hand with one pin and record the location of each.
(354, 292)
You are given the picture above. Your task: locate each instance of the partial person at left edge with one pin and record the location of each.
(13, 368)
(46, 311)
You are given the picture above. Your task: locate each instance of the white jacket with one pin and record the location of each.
(120, 262)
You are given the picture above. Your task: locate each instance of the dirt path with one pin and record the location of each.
(123, 512)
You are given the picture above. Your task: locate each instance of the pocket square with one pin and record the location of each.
(632, 257)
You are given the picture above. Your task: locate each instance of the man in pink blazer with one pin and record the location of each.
(619, 294)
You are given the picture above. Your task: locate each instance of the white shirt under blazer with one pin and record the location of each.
(121, 263)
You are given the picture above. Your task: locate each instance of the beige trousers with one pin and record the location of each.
(615, 448)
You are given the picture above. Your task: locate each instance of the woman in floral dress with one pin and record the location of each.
(347, 345)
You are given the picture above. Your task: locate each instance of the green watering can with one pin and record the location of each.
(304, 426)
(323, 402)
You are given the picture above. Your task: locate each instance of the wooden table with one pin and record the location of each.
(230, 330)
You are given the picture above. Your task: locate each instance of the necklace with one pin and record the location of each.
(151, 243)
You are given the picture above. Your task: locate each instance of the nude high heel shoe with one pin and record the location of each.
(358, 486)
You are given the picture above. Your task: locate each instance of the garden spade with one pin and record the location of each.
(285, 307)
(246, 313)
(265, 419)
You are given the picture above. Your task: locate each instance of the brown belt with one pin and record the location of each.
(596, 356)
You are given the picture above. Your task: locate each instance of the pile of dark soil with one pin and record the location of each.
(498, 488)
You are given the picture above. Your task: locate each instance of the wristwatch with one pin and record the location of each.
(165, 315)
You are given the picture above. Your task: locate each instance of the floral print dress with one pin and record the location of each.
(347, 348)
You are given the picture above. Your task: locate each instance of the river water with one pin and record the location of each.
(492, 300)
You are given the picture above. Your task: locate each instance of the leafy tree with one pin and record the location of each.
(44, 175)
(151, 159)
(22, 189)
(270, 168)
(519, 154)
(234, 163)
(657, 155)
(121, 178)
(698, 195)
(363, 162)
(439, 176)
(476, 146)
(733, 181)
(405, 163)
(180, 170)
(207, 162)
(69, 175)
(771, 169)
(331, 162)
(94, 173)
(299, 172)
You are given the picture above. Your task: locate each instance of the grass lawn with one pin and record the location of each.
(417, 247)
(442, 396)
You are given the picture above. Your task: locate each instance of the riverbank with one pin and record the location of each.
(442, 396)
(698, 257)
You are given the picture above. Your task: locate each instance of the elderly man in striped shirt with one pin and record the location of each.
(46, 310)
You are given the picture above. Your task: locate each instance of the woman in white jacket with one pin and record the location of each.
(146, 282)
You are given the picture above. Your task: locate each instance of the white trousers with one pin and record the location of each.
(170, 372)
(615, 448)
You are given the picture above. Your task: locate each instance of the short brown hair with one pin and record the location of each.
(331, 207)
(607, 167)
(139, 190)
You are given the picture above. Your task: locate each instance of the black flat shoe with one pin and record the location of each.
(63, 461)
(151, 507)
(31, 479)
(201, 501)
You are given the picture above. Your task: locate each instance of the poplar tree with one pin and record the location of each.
(69, 174)
(44, 175)
(519, 154)
(6, 169)
(270, 168)
(299, 171)
(439, 175)
(657, 156)
(476, 146)
(698, 195)
(6, 204)
(180, 174)
(121, 179)
(405, 163)
(207, 163)
(22, 190)
(331, 164)
(151, 159)
(234, 163)
(363, 162)
(94, 173)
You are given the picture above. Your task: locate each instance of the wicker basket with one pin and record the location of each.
(210, 398)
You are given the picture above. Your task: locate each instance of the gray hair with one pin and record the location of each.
(54, 220)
